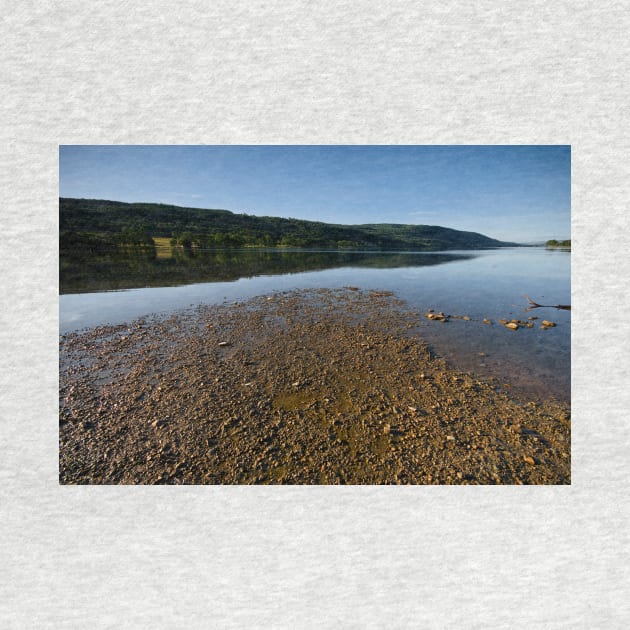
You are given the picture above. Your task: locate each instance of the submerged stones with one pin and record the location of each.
(441, 317)
(511, 324)
(436, 316)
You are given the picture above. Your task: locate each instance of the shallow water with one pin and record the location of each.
(480, 284)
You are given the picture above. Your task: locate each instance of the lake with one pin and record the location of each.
(477, 284)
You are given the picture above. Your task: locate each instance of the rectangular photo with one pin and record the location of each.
(315, 314)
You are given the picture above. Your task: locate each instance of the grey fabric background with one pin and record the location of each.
(313, 73)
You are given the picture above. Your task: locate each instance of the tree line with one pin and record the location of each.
(101, 225)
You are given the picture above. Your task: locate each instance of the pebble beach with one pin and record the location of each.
(302, 387)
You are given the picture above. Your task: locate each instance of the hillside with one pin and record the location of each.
(101, 225)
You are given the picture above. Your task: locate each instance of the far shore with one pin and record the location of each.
(302, 387)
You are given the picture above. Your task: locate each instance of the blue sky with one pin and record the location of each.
(517, 193)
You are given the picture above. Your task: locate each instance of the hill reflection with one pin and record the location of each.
(83, 272)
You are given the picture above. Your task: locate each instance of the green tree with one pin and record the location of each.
(186, 240)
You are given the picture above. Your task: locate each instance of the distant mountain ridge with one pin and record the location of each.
(103, 221)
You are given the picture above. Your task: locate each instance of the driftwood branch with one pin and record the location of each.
(533, 305)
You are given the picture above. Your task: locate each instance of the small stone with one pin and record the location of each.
(547, 324)
(386, 429)
(512, 325)
(529, 460)
(487, 321)
(412, 409)
(450, 438)
(466, 318)
(224, 343)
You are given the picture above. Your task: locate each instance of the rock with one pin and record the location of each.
(547, 324)
(466, 318)
(436, 316)
(386, 428)
(223, 343)
(512, 325)
(450, 438)
(529, 460)
(487, 321)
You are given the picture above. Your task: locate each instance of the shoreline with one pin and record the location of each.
(303, 387)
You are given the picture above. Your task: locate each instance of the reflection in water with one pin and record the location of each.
(482, 284)
(177, 266)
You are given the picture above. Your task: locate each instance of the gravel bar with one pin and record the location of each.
(301, 387)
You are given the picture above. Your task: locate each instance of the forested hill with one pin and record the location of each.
(102, 222)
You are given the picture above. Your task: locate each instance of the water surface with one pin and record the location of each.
(478, 284)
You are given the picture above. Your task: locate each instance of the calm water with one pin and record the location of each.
(480, 284)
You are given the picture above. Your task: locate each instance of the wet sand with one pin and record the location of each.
(305, 387)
